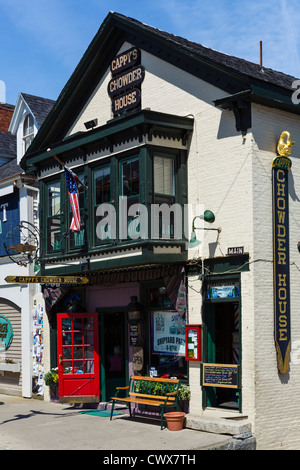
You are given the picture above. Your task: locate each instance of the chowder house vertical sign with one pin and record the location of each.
(281, 166)
(127, 74)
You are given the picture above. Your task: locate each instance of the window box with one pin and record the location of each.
(10, 367)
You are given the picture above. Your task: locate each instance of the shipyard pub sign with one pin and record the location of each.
(281, 166)
(127, 74)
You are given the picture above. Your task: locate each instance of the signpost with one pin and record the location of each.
(74, 280)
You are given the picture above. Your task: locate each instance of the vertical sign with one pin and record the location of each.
(281, 167)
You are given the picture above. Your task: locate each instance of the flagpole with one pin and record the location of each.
(63, 165)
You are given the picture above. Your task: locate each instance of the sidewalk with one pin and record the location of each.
(30, 424)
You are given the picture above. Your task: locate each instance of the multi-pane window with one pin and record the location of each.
(53, 216)
(28, 131)
(164, 194)
(130, 191)
(101, 196)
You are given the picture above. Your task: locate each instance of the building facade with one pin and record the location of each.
(21, 305)
(183, 227)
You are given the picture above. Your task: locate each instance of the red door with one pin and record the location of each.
(78, 357)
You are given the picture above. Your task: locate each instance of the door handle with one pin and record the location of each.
(60, 359)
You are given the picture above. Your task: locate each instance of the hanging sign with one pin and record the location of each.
(47, 280)
(125, 60)
(128, 79)
(127, 74)
(128, 100)
(6, 333)
(281, 253)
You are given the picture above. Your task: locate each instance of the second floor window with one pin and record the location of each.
(164, 193)
(28, 131)
(101, 190)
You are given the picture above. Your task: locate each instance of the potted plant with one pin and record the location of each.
(51, 379)
(184, 396)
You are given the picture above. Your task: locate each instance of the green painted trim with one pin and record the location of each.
(141, 119)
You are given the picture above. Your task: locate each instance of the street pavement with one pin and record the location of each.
(31, 424)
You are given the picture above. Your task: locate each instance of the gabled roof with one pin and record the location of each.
(39, 107)
(231, 74)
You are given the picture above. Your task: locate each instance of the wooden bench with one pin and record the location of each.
(152, 391)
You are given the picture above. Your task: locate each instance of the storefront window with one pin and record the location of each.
(168, 344)
(53, 216)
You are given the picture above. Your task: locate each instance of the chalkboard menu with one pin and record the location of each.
(220, 375)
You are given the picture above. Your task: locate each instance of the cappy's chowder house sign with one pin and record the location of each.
(126, 76)
(281, 166)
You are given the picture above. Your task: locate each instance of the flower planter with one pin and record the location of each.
(175, 420)
(10, 367)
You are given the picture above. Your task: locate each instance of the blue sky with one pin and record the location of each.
(42, 41)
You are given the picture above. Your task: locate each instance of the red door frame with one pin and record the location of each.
(78, 357)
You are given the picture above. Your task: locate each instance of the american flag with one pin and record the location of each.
(72, 188)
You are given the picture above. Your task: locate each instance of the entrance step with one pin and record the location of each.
(233, 426)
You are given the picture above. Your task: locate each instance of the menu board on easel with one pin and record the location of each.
(220, 375)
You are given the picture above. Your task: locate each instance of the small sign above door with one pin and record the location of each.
(236, 250)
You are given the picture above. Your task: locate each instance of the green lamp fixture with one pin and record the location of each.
(209, 217)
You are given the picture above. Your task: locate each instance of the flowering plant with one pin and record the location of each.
(7, 361)
(51, 378)
(184, 392)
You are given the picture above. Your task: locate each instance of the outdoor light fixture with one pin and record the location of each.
(91, 124)
(134, 309)
(209, 217)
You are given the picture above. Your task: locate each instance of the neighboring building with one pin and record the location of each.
(151, 118)
(20, 306)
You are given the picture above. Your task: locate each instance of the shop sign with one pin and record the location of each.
(6, 333)
(128, 100)
(126, 76)
(125, 60)
(281, 256)
(168, 333)
(222, 291)
(74, 280)
(122, 82)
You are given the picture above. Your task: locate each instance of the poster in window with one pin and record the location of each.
(168, 333)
